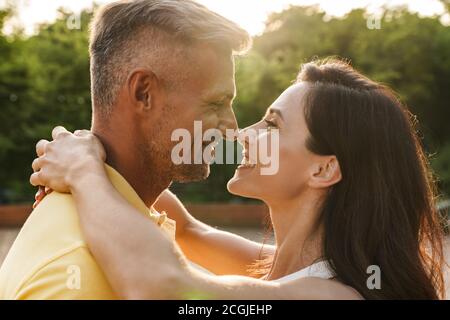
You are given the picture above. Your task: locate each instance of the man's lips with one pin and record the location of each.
(212, 144)
(211, 147)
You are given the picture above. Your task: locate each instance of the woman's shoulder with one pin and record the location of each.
(313, 288)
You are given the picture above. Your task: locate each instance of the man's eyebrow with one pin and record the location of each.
(221, 96)
(276, 111)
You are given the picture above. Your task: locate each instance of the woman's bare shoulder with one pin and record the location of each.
(312, 288)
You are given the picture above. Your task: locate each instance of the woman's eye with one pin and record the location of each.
(270, 124)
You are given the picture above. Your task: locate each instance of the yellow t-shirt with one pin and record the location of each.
(50, 259)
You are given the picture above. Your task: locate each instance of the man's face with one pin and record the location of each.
(206, 96)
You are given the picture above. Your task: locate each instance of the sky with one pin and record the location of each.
(250, 14)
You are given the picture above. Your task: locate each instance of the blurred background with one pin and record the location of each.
(44, 82)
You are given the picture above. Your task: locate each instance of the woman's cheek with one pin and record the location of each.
(291, 171)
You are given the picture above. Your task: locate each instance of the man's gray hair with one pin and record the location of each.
(155, 34)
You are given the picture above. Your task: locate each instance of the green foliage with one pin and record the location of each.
(409, 53)
(44, 81)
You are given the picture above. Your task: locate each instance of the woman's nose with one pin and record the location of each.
(244, 136)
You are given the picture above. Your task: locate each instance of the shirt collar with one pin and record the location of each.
(125, 189)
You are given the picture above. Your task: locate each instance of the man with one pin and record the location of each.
(156, 66)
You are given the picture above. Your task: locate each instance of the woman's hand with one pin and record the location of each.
(66, 160)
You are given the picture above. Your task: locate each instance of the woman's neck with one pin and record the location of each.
(298, 234)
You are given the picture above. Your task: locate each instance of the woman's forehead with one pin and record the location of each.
(290, 101)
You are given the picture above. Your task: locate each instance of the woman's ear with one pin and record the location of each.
(326, 172)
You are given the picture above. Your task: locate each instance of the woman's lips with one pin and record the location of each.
(246, 164)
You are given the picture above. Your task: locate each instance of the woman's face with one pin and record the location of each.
(295, 162)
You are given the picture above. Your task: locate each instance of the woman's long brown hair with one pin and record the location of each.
(383, 211)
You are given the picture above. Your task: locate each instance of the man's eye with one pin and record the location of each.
(217, 104)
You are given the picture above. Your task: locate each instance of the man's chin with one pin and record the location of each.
(191, 173)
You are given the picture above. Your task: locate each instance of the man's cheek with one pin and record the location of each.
(210, 120)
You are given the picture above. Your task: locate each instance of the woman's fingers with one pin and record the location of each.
(35, 204)
(36, 164)
(65, 158)
(35, 179)
(93, 140)
(82, 133)
(59, 130)
(62, 140)
(39, 194)
(40, 147)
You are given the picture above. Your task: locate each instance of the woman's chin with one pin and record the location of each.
(233, 187)
(241, 183)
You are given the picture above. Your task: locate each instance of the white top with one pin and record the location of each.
(318, 270)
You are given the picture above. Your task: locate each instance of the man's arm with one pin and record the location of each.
(221, 252)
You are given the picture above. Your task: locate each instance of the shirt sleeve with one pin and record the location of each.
(72, 276)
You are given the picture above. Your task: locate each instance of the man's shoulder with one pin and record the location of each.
(54, 221)
(71, 274)
(47, 245)
(52, 227)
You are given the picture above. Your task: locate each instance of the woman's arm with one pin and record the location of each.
(142, 263)
(219, 251)
(137, 258)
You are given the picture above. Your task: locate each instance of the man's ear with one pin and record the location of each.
(142, 86)
(325, 173)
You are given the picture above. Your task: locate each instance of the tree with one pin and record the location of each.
(44, 81)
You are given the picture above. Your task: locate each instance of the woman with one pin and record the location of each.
(353, 191)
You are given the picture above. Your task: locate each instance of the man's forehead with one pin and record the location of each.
(221, 91)
(215, 74)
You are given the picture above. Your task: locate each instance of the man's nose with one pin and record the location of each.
(242, 138)
(229, 123)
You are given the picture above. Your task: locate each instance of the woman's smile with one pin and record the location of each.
(246, 163)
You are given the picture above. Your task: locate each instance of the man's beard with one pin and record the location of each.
(185, 173)
(157, 155)
(154, 173)
(192, 172)
(158, 165)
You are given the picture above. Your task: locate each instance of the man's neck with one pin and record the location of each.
(121, 156)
